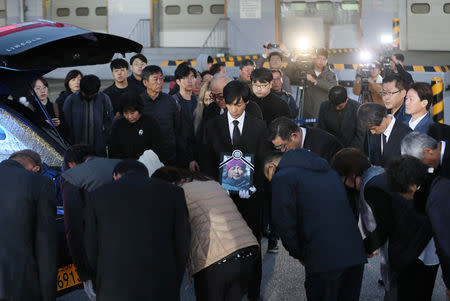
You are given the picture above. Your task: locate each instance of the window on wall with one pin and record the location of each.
(195, 9)
(420, 8)
(298, 5)
(82, 11)
(217, 9)
(172, 10)
(324, 5)
(350, 5)
(2, 14)
(447, 8)
(100, 11)
(63, 12)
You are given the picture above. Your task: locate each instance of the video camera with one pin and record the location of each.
(302, 62)
(270, 46)
(385, 59)
(364, 71)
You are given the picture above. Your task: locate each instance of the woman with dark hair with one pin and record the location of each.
(223, 248)
(40, 88)
(132, 135)
(71, 85)
(412, 252)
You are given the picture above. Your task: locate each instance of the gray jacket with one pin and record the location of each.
(318, 93)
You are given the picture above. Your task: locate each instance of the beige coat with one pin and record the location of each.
(217, 227)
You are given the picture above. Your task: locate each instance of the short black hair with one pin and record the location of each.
(138, 56)
(247, 62)
(282, 127)
(371, 114)
(205, 73)
(400, 57)
(337, 95)
(71, 75)
(424, 91)
(234, 90)
(209, 60)
(78, 153)
(150, 70)
(29, 155)
(350, 162)
(130, 166)
(183, 71)
(391, 77)
(275, 53)
(131, 101)
(215, 68)
(178, 176)
(322, 51)
(118, 64)
(262, 75)
(90, 84)
(404, 171)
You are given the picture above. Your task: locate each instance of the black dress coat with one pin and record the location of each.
(253, 140)
(392, 149)
(272, 107)
(137, 239)
(342, 124)
(28, 238)
(322, 143)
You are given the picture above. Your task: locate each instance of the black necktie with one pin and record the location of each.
(236, 132)
(383, 136)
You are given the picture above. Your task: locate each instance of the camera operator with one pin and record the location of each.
(320, 79)
(396, 65)
(275, 59)
(372, 79)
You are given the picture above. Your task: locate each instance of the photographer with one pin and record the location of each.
(275, 59)
(396, 65)
(320, 79)
(372, 79)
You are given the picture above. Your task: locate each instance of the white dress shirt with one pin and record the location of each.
(303, 135)
(387, 132)
(231, 124)
(413, 124)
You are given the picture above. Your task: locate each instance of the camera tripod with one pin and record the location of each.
(365, 95)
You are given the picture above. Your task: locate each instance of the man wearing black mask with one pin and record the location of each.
(89, 115)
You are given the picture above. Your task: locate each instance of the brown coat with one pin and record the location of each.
(217, 227)
(374, 90)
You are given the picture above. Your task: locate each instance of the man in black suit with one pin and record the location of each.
(337, 116)
(433, 153)
(285, 135)
(238, 130)
(137, 236)
(386, 133)
(28, 239)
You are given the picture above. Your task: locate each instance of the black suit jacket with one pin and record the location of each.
(392, 148)
(444, 168)
(28, 234)
(322, 143)
(137, 239)
(253, 141)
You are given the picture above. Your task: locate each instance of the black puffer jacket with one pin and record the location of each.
(167, 112)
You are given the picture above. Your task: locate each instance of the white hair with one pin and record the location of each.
(219, 76)
(414, 143)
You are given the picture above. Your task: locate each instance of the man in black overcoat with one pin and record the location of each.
(137, 236)
(28, 239)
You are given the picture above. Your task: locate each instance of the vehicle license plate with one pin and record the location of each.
(67, 277)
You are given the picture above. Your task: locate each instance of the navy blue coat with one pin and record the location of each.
(424, 124)
(438, 210)
(312, 214)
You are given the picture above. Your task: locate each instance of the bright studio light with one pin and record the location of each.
(386, 39)
(303, 43)
(365, 55)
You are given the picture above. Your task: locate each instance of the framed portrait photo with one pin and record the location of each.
(236, 171)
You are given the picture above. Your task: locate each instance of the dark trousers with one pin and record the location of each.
(342, 285)
(227, 281)
(416, 282)
(252, 214)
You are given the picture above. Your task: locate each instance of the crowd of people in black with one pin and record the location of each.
(155, 185)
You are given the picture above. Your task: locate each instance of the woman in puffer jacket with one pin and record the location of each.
(223, 248)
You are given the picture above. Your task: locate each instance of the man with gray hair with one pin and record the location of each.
(432, 153)
(218, 106)
(386, 133)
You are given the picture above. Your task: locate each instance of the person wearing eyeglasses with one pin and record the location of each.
(271, 105)
(386, 133)
(393, 93)
(164, 109)
(137, 64)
